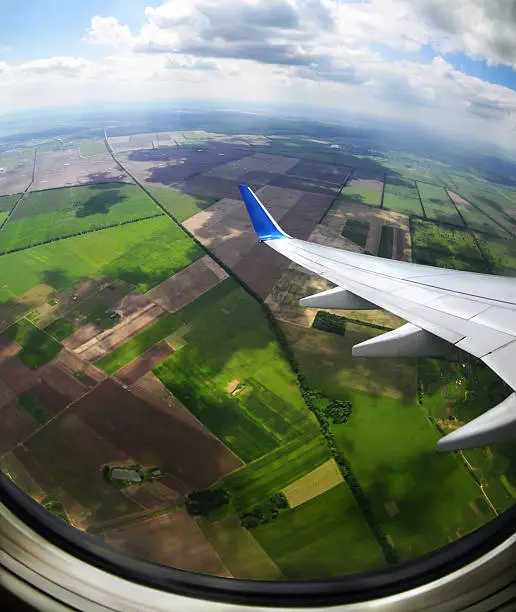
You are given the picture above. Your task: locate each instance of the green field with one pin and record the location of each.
(438, 205)
(356, 193)
(181, 205)
(143, 254)
(3, 216)
(258, 480)
(60, 329)
(500, 252)
(7, 202)
(391, 447)
(239, 551)
(38, 347)
(400, 195)
(42, 216)
(32, 406)
(329, 366)
(491, 201)
(446, 240)
(326, 536)
(93, 147)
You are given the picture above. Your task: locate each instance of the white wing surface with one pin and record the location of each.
(445, 309)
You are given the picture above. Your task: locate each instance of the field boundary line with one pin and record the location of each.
(330, 206)
(89, 231)
(421, 199)
(22, 195)
(470, 231)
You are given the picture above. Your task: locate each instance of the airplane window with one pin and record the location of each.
(257, 270)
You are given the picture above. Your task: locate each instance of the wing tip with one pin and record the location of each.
(264, 225)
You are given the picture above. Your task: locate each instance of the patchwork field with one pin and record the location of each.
(401, 196)
(259, 479)
(243, 391)
(43, 216)
(336, 539)
(438, 205)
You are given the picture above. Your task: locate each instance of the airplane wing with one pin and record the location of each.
(444, 309)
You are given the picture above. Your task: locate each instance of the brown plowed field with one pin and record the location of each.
(173, 539)
(16, 426)
(52, 400)
(152, 437)
(153, 495)
(144, 363)
(61, 381)
(187, 285)
(17, 375)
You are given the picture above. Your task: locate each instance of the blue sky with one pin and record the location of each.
(448, 63)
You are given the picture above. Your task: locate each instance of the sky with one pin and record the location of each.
(447, 64)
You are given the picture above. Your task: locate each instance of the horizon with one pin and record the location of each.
(451, 71)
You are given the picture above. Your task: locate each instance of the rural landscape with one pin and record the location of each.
(162, 390)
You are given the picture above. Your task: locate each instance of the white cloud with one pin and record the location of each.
(107, 31)
(317, 51)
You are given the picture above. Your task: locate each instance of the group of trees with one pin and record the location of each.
(328, 322)
(339, 411)
(265, 512)
(201, 503)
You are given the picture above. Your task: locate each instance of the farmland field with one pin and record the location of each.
(500, 252)
(473, 216)
(446, 240)
(43, 216)
(93, 147)
(438, 205)
(239, 551)
(316, 482)
(401, 196)
(181, 205)
(143, 253)
(336, 539)
(391, 446)
(38, 347)
(7, 202)
(258, 480)
(361, 191)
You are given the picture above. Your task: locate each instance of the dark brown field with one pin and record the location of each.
(152, 437)
(203, 185)
(16, 375)
(144, 363)
(60, 380)
(16, 426)
(52, 400)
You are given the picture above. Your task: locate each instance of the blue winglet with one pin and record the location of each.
(264, 225)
